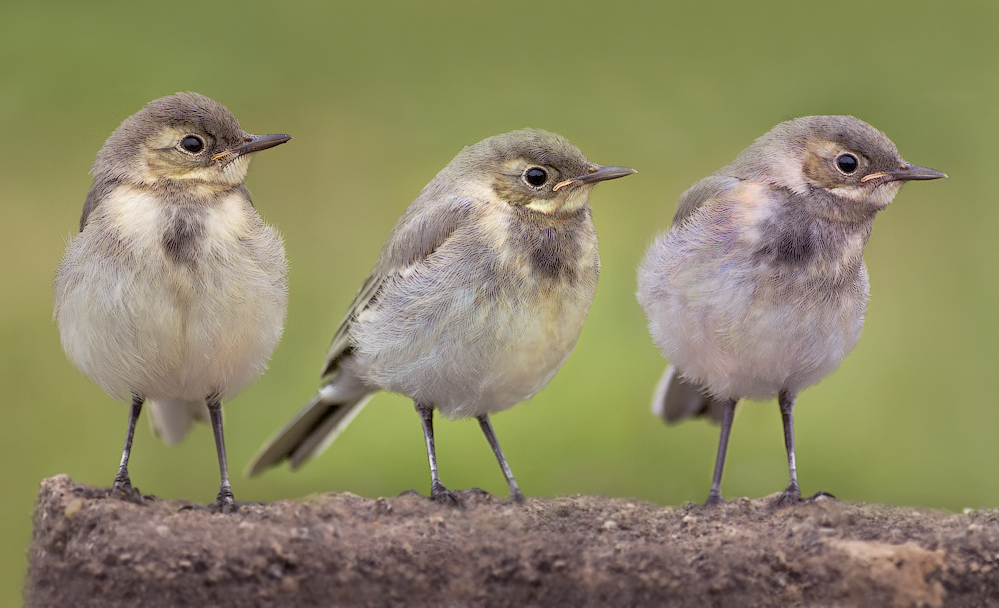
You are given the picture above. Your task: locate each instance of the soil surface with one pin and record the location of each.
(341, 549)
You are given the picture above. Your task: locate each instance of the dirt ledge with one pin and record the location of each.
(341, 549)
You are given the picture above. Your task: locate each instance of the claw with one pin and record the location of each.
(444, 496)
(518, 497)
(789, 497)
(714, 498)
(224, 502)
(223, 506)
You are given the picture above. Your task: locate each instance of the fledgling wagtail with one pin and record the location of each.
(759, 288)
(174, 292)
(476, 300)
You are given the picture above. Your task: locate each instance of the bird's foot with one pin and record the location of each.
(224, 502)
(819, 495)
(457, 498)
(125, 491)
(219, 506)
(792, 496)
(787, 499)
(714, 498)
(517, 496)
(442, 495)
(121, 489)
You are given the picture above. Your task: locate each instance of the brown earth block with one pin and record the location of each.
(343, 550)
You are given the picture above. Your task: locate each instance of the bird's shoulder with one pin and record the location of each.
(424, 227)
(99, 191)
(709, 188)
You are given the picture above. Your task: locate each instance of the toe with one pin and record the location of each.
(444, 496)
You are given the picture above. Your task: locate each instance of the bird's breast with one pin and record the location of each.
(487, 319)
(775, 232)
(184, 237)
(748, 298)
(556, 251)
(166, 297)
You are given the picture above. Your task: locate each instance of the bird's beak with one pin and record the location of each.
(252, 143)
(596, 173)
(906, 173)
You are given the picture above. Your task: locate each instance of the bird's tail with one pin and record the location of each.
(677, 398)
(315, 426)
(171, 419)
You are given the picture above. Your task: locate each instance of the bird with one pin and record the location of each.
(174, 291)
(759, 288)
(476, 300)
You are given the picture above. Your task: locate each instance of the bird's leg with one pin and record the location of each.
(792, 494)
(437, 490)
(715, 496)
(122, 486)
(487, 428)
(224, 503)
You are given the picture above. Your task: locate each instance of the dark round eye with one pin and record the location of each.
(536, 176)
(847, 163)
(193, 144)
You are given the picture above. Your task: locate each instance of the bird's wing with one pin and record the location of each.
(704, 190)
(417, 234)
(96, 194)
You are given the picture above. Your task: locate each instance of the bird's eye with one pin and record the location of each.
(193, 144)
(847, 163)
(536, 176)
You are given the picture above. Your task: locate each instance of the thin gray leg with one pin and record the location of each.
(715, 496)
(122, 485)
(437, 490)
(487, 429)
(224, 503)
(792, 494)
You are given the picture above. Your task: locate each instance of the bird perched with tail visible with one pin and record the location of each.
(759, 289)
(174, 291)
(476, 300)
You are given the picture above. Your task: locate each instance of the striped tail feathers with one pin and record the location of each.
(315, 426)
(677, 398)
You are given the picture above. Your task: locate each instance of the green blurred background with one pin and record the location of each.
(379, 96)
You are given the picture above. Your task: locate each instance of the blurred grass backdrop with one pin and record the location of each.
(379, 96)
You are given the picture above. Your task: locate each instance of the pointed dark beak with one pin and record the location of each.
(596, 173)
(905, 173)
(256, 143)
(915, 172)
(251, 144)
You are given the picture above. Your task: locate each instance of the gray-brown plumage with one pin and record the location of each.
(759, 289)
(174, 292)
(475, 302)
